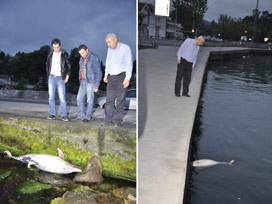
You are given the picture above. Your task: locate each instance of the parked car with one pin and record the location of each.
(131, 102)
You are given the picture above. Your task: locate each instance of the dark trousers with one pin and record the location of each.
(184, 73)
(115, 91)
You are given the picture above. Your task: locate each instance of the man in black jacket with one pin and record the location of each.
(58, 70)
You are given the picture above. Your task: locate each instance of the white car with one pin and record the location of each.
(131, 102)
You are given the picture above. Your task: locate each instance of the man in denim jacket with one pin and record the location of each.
(89, 76)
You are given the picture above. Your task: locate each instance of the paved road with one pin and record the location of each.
(37, 110)
(165, 124)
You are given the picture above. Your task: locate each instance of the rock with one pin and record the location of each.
(130, 199)
(128, 194)
(128, 191)
(107, 198)
(105, 187)
(87, 197)
(54, 179)
(92, 173)
(124, 192)
(78, 197)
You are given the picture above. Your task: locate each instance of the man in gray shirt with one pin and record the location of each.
(186, 60)
(118, 72)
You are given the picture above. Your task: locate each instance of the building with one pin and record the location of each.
(170, 30)
(152, 26)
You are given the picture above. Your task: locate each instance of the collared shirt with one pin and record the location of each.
(188, 50)
(83, 71)
(56, 68)
(119, 60)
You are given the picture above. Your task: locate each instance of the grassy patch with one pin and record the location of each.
(32, 186)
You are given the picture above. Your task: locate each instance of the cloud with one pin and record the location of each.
(27, 25)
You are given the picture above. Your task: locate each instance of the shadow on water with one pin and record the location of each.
(233, 121)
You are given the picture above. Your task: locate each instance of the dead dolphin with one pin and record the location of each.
(47, 162)
(207, 162)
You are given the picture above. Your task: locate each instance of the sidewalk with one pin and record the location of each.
(165, 124)
(18, 107)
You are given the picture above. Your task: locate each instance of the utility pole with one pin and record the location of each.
(256, 13)
(175, 33)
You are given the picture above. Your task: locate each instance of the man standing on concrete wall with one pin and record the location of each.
(90, 76)
(187, 55)
(58, 70)
(117, 76)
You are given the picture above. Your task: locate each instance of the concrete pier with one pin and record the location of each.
(165, 124)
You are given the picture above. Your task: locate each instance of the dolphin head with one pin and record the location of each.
(196, 164)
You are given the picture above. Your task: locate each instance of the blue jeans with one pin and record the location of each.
(53, 83)
(85, 88)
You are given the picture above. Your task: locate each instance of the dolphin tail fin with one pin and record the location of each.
(231, 162)
(8, 154)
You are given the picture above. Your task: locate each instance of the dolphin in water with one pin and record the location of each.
(47, 162)
(207, 162)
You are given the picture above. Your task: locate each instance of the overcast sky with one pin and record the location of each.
(26, 25)
(233, 8)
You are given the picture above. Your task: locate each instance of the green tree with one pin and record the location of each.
(2, 62)
(73, 83)
(190, 12)
(264, 28)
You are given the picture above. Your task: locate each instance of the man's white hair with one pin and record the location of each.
(111, 35)
(201, 38)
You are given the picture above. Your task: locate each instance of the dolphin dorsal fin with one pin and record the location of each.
(61, 155)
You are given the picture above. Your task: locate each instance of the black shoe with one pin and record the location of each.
(51, 117)
(65, 119)
(186, 95)
(85, 120)
(178, 95)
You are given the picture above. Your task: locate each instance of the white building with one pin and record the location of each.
(153, 26)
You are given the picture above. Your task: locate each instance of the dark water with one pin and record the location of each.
(234, 121)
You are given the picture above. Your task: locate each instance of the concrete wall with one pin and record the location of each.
(37, 96)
